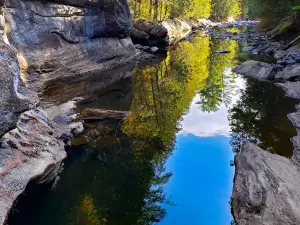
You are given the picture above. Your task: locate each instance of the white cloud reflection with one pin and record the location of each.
(204, 124)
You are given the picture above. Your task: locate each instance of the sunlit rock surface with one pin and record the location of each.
(68, 37)
(14, 98)
(177, 29)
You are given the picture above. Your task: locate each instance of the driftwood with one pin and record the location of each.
(292, 43)
(100, 114)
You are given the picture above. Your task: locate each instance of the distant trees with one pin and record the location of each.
(223, 9)
(268, 9)
(158, 10)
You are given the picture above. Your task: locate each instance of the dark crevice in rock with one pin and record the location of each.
(65, 38)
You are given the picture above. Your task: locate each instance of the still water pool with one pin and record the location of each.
(170, 161)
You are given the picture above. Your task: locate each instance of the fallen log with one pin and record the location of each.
(100, 114)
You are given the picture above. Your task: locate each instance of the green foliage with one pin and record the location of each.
(269, 9)
(224, 9)
(296, 9)
(215, 91)
(163, 92)
(161, 9)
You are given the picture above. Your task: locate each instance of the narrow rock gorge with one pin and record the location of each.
(41, 42)
(129, 90)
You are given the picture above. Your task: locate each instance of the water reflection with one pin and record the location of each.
(171, 154)
(261, 116)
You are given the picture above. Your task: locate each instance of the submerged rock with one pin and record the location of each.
(266, 188)
(100, 114)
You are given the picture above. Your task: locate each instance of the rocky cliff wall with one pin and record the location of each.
(66, 36)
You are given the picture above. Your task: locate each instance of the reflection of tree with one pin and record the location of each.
(219, 85)
(261, 116)
(162, 95)
(123, 180)
(135, 153)
(211, 98)
(163, 92)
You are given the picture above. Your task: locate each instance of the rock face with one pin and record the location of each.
(31, 139)
(255, 69)
(14, 98)
(60, 37)
(34, 150)
(266, 188)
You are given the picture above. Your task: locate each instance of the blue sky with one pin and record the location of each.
(202, 182)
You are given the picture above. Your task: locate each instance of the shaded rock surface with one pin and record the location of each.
(266, 188)
(87, 87)
(34, 150)
(148, 33)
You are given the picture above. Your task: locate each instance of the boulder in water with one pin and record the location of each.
(266, 188)
(149, 33)
(256, 69)
(289, 73)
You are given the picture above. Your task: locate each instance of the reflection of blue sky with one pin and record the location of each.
(202, 179)
(202, 182)
(204, 124)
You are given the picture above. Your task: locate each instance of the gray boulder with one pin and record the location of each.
(151, 28)
(289, 73)
(292, 89)
(266, 188)
(255, 69)
(149, 33)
